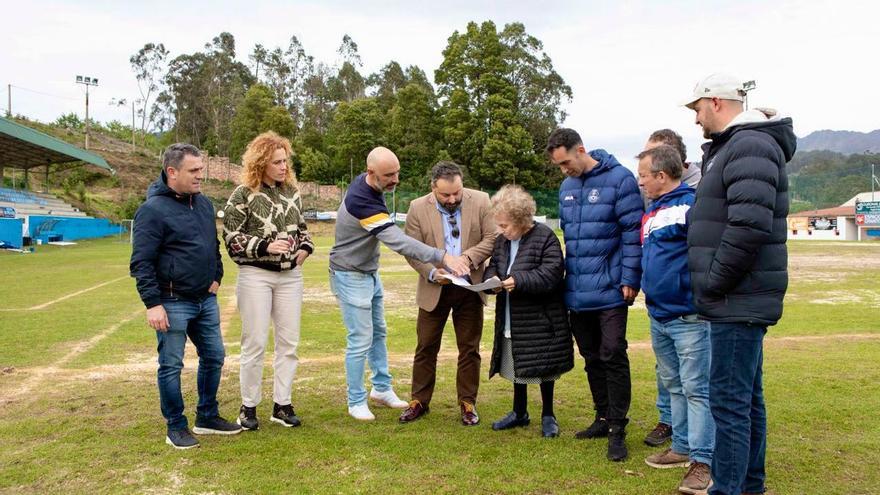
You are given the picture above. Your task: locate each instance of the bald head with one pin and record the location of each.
(383, 169)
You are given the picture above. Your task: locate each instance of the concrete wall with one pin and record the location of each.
(320, 191)
(849, 231)
(10, 231)
(220, 168)
(70, 229)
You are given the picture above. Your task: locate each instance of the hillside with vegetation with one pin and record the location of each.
(489, 106)
(94, 190)
(823, 179)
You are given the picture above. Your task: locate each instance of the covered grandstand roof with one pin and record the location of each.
(23, 147)
(837, 211)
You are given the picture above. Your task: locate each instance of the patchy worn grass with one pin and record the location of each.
(80, 411)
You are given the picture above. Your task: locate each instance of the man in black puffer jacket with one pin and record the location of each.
(738, 264)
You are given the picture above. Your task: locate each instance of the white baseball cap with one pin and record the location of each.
(718, 85)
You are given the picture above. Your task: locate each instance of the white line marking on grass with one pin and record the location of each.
(68, 296)
(79, 348)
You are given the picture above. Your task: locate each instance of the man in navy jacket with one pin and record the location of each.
(600, 211)
(679, 338)
(176, 261)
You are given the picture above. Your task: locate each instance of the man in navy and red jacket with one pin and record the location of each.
(680, 340)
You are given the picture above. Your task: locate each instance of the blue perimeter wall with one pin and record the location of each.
(71, 229)
(10, 231)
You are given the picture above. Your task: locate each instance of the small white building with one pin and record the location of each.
(838, 223)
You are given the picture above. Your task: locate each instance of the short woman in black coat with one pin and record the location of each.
(533, 343)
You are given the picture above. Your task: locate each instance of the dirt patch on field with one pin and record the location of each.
(866, 298)
(318, 294)
(833, 266)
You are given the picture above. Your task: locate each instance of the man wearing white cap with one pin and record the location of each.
(738, 267)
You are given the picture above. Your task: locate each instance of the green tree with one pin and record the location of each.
(540, 91)
(257, 113)
(414, 133)
(69, 121)
(204, 89)
(315, 166)
(356, 129)
(318, 106)
(258, 58)
(501, 99)
(279, 120)
(348, 84)
(148, 65)
(386, 83)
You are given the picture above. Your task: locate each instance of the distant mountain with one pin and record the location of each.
(846, 142)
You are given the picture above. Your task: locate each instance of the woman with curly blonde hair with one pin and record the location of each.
(266, 235)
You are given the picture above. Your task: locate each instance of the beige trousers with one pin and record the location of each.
(264, 295)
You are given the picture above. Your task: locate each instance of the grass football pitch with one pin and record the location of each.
(79, 409)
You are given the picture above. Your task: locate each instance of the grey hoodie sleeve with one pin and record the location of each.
(402, 244)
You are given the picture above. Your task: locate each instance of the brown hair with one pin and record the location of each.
(670, 137)
(258, 155)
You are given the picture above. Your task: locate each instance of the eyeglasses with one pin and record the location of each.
(454, 225)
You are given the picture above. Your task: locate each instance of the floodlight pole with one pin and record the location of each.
(873, 177)
(132, 126)
(9, 100)
(747, 86)
(87, 116)
(87, 81)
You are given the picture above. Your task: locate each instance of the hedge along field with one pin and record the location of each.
(79, 410)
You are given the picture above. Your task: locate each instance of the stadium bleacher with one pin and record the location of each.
(30, 203)
(31, 216)
(43, 217)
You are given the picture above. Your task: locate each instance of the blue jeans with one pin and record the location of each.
(683, 352)
(360, 298)
(664, 406)
(200, 320)
(737, 398)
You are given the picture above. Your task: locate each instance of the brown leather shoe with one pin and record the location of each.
(469, 416)
(668, 459)
(414, 411)
(697, 481)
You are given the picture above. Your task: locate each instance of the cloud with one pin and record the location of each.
(629, 63)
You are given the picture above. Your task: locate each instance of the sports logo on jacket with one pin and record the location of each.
(594, 196)
(709, 165)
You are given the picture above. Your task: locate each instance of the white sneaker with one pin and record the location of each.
(361, 412)
(388, 398)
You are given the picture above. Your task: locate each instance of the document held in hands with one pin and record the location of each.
(488, 284)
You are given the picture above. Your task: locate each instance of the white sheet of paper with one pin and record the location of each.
(488, 284)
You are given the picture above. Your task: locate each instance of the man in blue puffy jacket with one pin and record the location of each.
(600, 212)
(679, 338)
(176, 261)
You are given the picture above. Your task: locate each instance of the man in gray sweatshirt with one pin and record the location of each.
(361, 223)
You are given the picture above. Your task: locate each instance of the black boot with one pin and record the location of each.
(599, 428)
(616, 440)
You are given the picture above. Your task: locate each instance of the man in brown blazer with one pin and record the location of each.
(458, 220)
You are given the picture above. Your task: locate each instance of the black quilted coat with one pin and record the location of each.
(736, 240)
(539, 330)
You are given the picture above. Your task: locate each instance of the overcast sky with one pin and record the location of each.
(629, 64)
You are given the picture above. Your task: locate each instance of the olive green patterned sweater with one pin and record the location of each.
(252, 220)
